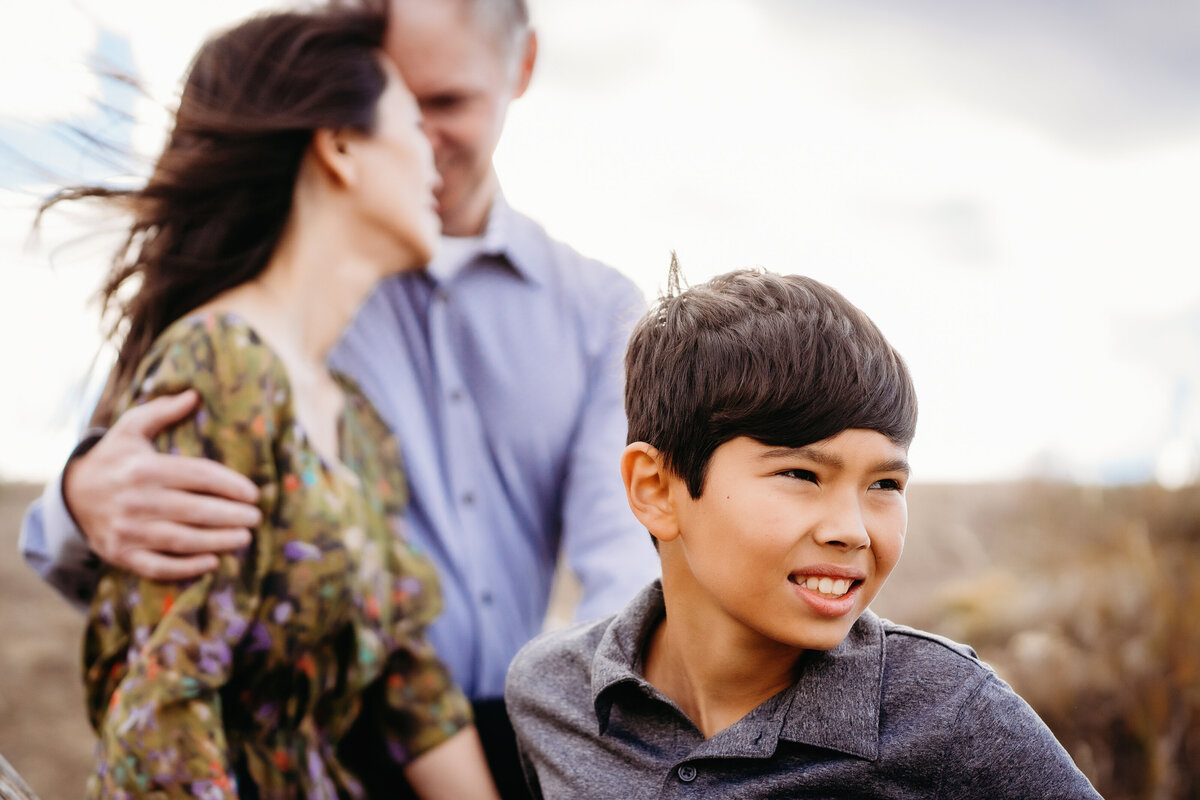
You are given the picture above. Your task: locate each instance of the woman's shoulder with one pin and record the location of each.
(219, 355)
(214, 340)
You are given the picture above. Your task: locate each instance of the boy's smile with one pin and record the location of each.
(788, 546)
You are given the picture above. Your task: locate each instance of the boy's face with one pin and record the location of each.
(789, 546)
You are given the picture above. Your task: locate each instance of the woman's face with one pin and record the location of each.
(397, 178)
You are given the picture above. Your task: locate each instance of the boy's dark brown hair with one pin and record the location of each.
(782, 359)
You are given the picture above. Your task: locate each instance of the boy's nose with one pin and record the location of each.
(844, 525)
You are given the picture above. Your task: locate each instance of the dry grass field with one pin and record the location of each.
(1086, 600)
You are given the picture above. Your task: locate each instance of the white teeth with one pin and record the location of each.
(835, 587)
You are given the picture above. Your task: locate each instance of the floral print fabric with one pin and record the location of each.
(252, 673)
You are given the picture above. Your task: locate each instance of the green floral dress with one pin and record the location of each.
(249, 676)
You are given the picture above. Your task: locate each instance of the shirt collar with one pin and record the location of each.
(834, 702)
(512, 237)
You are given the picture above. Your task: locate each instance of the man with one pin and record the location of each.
(498, 369)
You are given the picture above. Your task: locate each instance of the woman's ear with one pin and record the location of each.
(331, 148)
(648, 488)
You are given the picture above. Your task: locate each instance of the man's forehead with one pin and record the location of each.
(437, 42)
(449, 21)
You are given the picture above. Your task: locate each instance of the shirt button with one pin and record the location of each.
(687, 773)
(486, 597)
(468, 499)
(441, 295)
(455, 395)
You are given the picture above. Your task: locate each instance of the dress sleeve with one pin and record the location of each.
(423, 706)
(158, 653)
(1000, 748)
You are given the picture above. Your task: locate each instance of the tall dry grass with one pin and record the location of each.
(1087, 602)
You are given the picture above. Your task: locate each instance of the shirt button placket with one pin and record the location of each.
(461, 432)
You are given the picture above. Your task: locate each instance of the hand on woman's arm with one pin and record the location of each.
(163, 517)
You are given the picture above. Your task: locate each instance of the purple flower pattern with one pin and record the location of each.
(258, 668)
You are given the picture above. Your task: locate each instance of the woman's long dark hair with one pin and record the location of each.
(213, 210)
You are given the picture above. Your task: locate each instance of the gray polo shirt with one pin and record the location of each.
(891, 712)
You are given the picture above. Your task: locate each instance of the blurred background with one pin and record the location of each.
(1008, 189)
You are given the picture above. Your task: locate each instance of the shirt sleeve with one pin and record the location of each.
(54, 547)
(603, 543)
(158, 653)
(1002, 749)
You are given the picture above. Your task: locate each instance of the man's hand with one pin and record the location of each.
(161, 516)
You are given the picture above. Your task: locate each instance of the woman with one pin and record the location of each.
(295, 178)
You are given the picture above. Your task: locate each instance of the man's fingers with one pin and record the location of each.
(149, 419)
(159, 567)
(194, 474)
(173, 539)
(205, 511)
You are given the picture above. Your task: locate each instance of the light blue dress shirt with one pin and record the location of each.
(502, 379)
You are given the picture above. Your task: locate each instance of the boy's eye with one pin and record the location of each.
(800, 474)
(890, 484)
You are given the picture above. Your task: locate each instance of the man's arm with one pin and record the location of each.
(54, 548)
(163, 517)
(604, 545)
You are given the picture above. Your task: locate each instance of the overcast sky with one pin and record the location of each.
(1008, 189)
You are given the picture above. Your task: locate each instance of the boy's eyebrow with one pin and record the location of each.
(894, 465)
(831, 460)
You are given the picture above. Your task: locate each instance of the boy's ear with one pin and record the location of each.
(648, 487)
(331, 149)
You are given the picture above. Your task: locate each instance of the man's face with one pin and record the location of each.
(464, 75)
(789, 546)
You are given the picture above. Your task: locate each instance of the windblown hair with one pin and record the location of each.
(782, 359)
(213, 210)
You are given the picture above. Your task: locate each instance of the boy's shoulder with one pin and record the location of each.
(551, 687)
(562, 672)
(914, 642)
(931, 662)
(572, 647)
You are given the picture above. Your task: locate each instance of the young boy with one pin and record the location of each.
(769, 423)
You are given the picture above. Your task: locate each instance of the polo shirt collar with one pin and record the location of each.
(834, 703)
(618, 658)
(836, 699)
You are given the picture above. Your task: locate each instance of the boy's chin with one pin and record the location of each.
(827, 637)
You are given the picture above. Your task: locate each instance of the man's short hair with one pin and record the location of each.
(508, 18)
(782, 359)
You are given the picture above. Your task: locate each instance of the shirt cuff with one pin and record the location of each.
(64, 541)
(53, 544)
